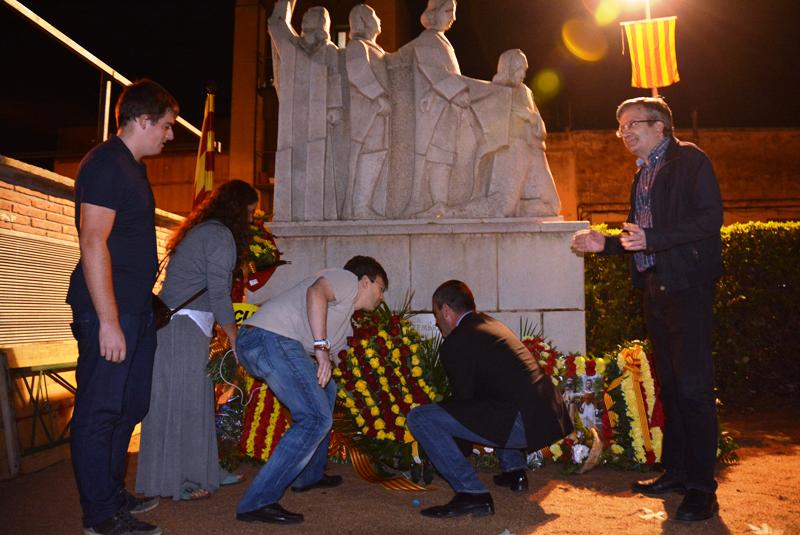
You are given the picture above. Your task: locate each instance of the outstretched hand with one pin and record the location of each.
(588, 241)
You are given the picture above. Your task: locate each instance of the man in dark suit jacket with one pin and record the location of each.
(501, 397)
(672, 236)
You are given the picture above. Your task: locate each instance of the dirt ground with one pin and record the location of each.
(760, 494)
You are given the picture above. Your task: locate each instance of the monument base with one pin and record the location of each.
(520, 269)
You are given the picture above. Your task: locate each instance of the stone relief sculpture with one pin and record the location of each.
(369, 109)
(365, 134)
(308, 165)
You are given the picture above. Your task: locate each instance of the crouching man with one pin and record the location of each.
(501, 397)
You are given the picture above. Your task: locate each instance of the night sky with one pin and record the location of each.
(738, 59)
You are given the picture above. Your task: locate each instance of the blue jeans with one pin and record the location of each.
(436, 431)
(111, 399)
(291, 373)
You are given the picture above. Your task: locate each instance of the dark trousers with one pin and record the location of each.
(110, 401)
(679, 325)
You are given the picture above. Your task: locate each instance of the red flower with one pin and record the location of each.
(590, 367)
(405, 352)
(359, 350)
(394, 331)
(383, 351)
(380, 342)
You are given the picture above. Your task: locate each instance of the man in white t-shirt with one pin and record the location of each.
(276, 344)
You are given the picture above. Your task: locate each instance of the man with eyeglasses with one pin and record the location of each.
(672, 235)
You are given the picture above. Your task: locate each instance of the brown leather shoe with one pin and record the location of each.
(463, 503)
(516, 480)
(665, 484)
(697, 505)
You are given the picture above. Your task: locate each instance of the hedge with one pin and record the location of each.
(756, 310)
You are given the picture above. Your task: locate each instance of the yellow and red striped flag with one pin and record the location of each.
(652, 48)
(204, 168)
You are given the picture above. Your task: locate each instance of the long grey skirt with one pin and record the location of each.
(179, 442)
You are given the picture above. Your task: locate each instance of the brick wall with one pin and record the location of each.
(37, 202)
(758, 172)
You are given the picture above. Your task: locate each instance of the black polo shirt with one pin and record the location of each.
(109, 176)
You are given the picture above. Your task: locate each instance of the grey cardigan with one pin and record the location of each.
(204, 258)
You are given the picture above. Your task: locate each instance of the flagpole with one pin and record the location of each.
(653, 90)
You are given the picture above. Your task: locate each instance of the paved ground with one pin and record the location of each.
(762, 491)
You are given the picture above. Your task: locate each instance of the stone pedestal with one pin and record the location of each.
(518, 268)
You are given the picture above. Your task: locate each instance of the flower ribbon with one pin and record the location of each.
(344, 448)
(632, 370)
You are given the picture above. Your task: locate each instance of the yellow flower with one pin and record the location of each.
(379, 424)
(616, 449)
(414, 360)
(374, 362)
(406, 340)
(600, 366)
(356, 372)
(342, 394)
(361, 385)
(383, 381)
(408, 399)
(383, 334)
(354, 361)
(368, 400)
(416, 371)
(422, 383)
(364, 343)
(413, 347)
(390, 436)
(375, 411)
(395, 353)
(400, 421)
(349, 403)
(389, 344)
(359, 421)
(369, 353)
(365, 429)
(381, 435)
(408, 437)
(381, 370)
(555, 449)
(395, 409)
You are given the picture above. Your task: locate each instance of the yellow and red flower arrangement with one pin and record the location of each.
(385, 372)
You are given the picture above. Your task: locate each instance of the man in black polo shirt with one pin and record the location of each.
(110, 296)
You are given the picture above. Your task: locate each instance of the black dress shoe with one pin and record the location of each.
(326, 482)
(665, 484)
(516, 480)
(697, 505)
(272, 513)
(463, 503)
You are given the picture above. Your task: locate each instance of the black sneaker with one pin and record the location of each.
(123, 523)
(136, 505)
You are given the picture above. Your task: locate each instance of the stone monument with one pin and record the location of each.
(437, 175)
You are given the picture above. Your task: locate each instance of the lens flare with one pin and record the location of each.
(607, 12)
(546, 84)
(584, 40)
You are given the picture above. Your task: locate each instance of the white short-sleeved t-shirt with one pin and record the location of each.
(286, 314)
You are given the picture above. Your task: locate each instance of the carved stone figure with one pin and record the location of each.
(368, 135)
(512, 174)
(440, 100)
(369, 108)
(309, 92)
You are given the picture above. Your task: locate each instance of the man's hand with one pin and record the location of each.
(588, 241)
(633, 237)
(323, 367)
(112, 342)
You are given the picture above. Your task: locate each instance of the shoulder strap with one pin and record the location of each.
(192, 298)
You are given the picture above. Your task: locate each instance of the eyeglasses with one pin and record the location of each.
(630, 124)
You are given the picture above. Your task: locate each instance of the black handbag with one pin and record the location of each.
(162, 313)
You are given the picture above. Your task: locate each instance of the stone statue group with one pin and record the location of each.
(366, 134)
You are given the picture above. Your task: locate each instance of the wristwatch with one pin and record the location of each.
(323, 344)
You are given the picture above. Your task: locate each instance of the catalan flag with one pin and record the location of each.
(204, 168)
(652, 48)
